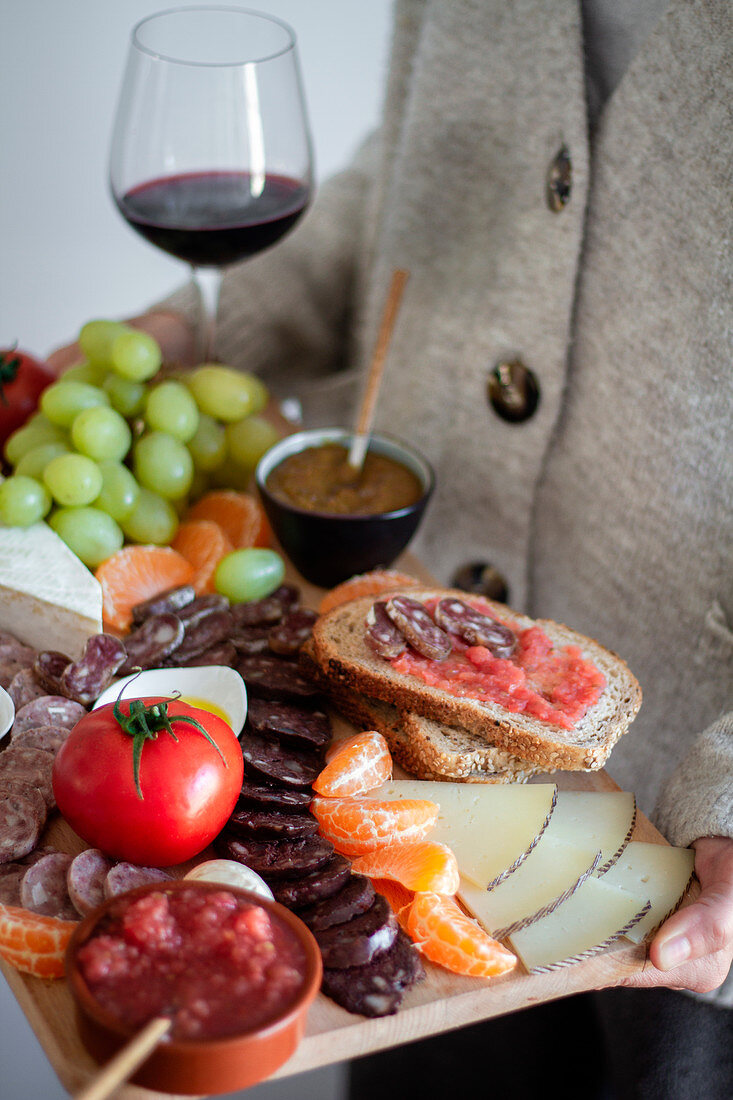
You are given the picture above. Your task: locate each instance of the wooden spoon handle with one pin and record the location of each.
(126, 1061)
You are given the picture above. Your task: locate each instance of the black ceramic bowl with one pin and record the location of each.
(325, 548)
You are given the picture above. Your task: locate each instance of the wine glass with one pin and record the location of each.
(211, 155)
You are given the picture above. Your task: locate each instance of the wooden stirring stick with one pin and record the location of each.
(126, 1061)
(358, 449)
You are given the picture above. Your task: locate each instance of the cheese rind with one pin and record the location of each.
(658, 872)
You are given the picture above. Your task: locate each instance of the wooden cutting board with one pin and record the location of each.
(442, 1002)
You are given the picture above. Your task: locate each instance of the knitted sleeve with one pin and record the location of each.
(697, 799)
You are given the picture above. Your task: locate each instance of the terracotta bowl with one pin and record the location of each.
(326, 548)
(207, 1066)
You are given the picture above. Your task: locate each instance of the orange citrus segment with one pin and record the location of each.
(32, 943)
(134, 574)
(398, 896)
(445, 935)
(358, 825)
(355, 765)
(425, 865)
(366, 584)
(203, 543)
(240, 515)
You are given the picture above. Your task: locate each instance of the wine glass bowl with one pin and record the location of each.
(211, 156)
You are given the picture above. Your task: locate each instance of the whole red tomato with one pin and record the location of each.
(167, 807)
(22, 381)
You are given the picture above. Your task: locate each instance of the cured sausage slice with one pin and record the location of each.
(24, 688)
(263, 794)
(22, 818)
(275, 678)
(126, 876)
(475, 627)
(354, 898)
(172, 600)
(381, 633)
(49, 667)
(152, 642)
(14, 657)
(48, 738)
(85, 879)
(418, 627)
(24, 766)
(85, 679)
(43, 887)
(377, 988)
(263, 612)
(202, 606)
(273, 824)
(309, 727)
(10, 878)
(313, 887)
(275, 859)
(272, 761)
(359, 940)
(251, 640)
(223, 653)
(48, 710)
(201, 634)
(292, 632)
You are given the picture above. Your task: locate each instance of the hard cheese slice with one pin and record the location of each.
(491, 830)
(601, 820)
(657, 872)
(48, 598)
(588, 922)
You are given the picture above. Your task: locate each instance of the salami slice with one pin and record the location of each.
(126, 876)
(377, 988)
(272, 761)
(223, 653)
(14, 657)
(360, 939)
(49, 668)
(474, 627)
(275, 859)
(154, 640)
(22, 818)
(85, 679)
(24, 688)
(272, 824)
(293, 631)
(202, 606)
(48, 738)
(48, 710)
(355, 897)
(305, 727)
(10, 878)
(85, 880)
(381, 633)
(266, 795)
(202, 634)
(263, 612)
(275, 678)
(24, 766)
(418, 627)
(251, 640)
(313, 887)
(43, 887)
(170, 601)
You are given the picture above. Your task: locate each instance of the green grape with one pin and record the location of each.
(23, 501)
(249, 574)
(135, 355)
(35, 461)
(91, 373)
(127, 397)
(35, 432)
(248, 440)
(225, 393)
(171, 408)
(152, 520)
(208, 446)
(63, 401)
(119, 493)
(101, 434)
(260, 392)
(163, 464)
(92, 535)
(230, 475)
(199, 486)
(73, 480)
(96, 339)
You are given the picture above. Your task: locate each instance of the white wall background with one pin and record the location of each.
(66, 255)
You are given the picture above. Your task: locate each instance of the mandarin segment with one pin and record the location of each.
(203, 543)
(358, 825)
(446, 935)
(424, 865)
(34, 944)
(134, 574)
(366, 584)
(355, 765)
(240, 515)
(398, 897)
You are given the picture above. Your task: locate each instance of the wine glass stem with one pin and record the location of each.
(208, 281)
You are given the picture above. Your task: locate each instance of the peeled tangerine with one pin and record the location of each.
(34, 944)
(359, 825)
(445, 935)
(355, 765)
(424, 865)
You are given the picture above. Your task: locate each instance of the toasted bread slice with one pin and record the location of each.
(346, 659)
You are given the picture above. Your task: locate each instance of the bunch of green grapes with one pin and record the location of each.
(115, 454)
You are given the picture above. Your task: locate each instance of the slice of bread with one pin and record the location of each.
(350, 665)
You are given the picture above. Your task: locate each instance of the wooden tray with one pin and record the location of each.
(442, 1002)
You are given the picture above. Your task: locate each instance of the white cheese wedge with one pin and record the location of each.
(48, 598)
(491, 830)
(601, 820)
(657, 872)
(589, 921)
(550, 873)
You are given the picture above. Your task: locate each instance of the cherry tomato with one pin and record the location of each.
(22, 380)
(160, 807)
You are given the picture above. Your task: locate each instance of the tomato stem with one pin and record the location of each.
(9, 364)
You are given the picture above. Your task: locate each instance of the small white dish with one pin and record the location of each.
(217, 685)
(7, 713)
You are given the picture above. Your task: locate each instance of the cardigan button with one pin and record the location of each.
(481, 579)
(559, 180)
(513, 391)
